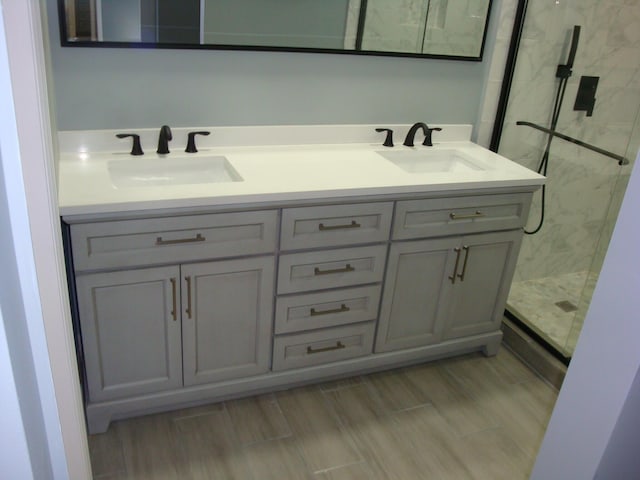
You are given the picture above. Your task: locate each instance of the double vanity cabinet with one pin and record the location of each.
(179, 309)
(257, 264)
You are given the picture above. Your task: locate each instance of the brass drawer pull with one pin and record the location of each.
(337, 346)
(188, 309)
(478, 214)
(464, 264)
(455, 268)
(173, 292)
(343, 308)
(348, 268)
(353, 224)
(197, 238)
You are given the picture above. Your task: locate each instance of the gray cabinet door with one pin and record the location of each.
(446, 288)
(226, 319)
(130, 331)
(487, 263)
(416, 293)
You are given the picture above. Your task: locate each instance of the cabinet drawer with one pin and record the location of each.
(327, 309)
(456, 215)
(335, 225)
(322, 346)
(331, 268)
(174, 239)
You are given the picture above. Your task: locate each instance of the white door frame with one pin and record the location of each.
(48, 302)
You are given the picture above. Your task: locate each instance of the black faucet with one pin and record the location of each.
(163, 139)
(411, 134)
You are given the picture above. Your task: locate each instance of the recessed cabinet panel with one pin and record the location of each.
(415, 294)
(326, 309)
(335, 225)
(126, 243)
(130, 332)
(460, 215)
(226, 319)
(331, 268)
(322, 346)
(487, 265)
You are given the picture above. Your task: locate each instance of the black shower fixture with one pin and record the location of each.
(563, 72)
(586, 97)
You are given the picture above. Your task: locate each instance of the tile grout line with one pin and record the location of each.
(344, 428)
(331, 469)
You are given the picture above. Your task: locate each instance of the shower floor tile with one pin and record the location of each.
(535, 303)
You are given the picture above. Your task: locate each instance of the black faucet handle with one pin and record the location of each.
(427, 137)
(191, 141)
(388, 140)
(136, 148)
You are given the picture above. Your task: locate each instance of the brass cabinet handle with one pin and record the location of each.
(455, 216)
(343, 308)
(464, 264)
(188, 309)
(346, 269)
(455, 268)
(337, 346)
(197, 238)
(322, 227)
(173, 291)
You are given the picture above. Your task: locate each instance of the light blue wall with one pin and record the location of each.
(128, 88)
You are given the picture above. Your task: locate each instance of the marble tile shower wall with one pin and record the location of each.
(351, 28)
(506, 13)
(395, 25)
(584, 189)
(464, 21)
(452, 28)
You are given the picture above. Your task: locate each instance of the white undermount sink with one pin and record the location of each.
(433, 161)
(165, 171)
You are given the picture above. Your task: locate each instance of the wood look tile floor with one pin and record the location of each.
(467, 417)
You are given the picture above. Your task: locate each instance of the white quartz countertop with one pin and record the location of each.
(272, 173)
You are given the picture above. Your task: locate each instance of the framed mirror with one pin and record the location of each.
(452, 29)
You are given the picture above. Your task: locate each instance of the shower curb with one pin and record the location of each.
(531, 353)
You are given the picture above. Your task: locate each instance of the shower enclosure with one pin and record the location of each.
(559, 265)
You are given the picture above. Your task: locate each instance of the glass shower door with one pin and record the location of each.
(605, 235)
(559, 265)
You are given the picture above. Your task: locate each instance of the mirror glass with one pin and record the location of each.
(431, 28)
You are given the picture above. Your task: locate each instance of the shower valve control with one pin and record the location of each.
(586, 97)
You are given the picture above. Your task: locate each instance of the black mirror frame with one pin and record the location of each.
(260, 48)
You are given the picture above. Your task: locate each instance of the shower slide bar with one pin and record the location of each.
(621, 160)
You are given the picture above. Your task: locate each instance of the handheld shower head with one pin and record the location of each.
(574, 45)
(564, 71)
